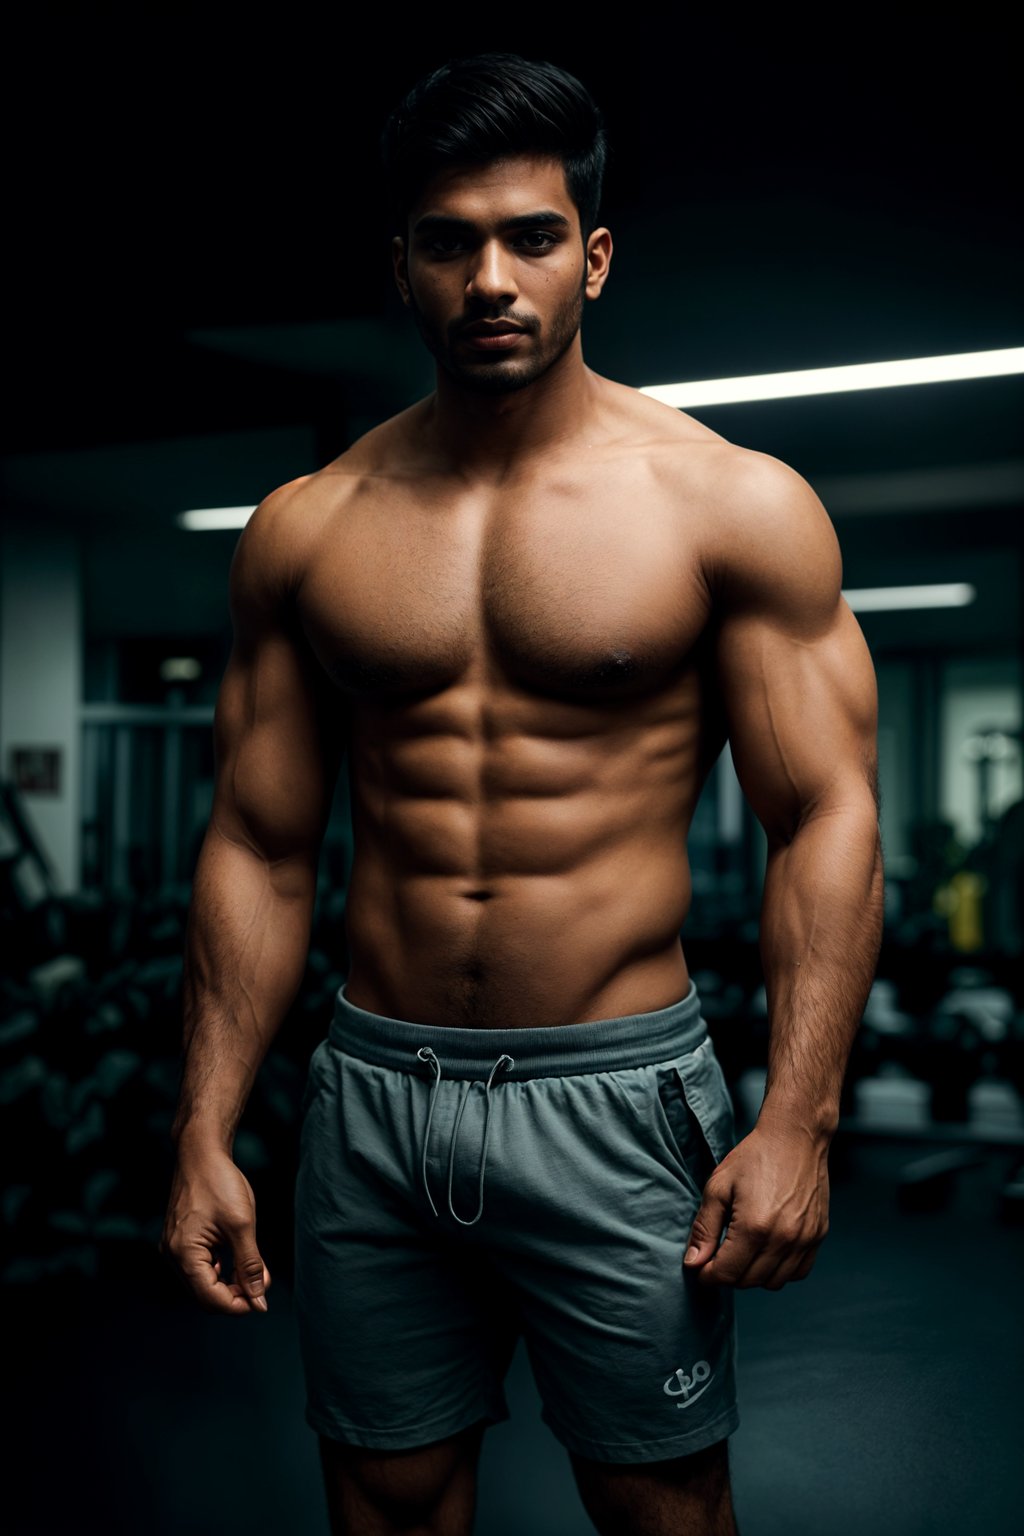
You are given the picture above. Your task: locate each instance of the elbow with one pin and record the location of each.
(854, 814)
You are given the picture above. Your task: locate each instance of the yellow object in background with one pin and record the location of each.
(965, 890)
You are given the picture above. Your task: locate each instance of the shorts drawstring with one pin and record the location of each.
(425, 1053)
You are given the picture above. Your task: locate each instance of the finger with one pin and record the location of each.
(240, 1290)
(796, 1266)
(250, 1270)
(212, 1293)
(775, 1267)
(775, 1279)
(706, 1230)
(267, 1281)
(741, 1255)
(805, 1266)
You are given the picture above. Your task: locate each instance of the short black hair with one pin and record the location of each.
(482, 108)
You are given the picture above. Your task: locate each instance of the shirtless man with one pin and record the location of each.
(530, 610)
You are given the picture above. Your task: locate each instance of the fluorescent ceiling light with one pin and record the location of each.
(830, 381)
(954, 594)
(215, 517)
(180, 669)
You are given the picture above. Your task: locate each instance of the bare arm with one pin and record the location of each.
(798, 690)
(279, 732)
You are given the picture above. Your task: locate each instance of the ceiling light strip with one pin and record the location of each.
(952, 594)
(204, 518)
(830, 381)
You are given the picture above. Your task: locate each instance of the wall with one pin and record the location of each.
(40, 679)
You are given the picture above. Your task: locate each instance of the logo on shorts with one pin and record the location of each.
(701, 1373)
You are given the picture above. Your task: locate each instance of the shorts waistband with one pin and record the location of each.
(596, 1045)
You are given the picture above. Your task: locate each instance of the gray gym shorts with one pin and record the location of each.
(460, 1187)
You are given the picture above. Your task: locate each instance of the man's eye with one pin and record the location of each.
(533, 240)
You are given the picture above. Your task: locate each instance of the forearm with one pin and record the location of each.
(821, 928)
(246, 946)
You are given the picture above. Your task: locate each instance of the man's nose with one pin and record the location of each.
(492, 278)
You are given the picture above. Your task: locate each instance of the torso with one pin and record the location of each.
(531, 718)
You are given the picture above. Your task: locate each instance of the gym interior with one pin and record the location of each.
(203, 308)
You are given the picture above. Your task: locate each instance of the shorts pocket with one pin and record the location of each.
(707, 1094)
(698, 1110)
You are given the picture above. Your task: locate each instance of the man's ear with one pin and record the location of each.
(599, 259)
(401, 267)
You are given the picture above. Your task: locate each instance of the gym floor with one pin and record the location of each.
(881, 1394)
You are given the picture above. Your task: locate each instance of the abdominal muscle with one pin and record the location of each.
(474, 906)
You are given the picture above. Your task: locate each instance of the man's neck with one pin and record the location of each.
(491, 438)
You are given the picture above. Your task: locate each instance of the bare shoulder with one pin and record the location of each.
(778, 546)
(760, 533)
(268, 555)
(290, 524)
(770, 545)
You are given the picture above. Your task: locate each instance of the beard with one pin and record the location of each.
(504, 375)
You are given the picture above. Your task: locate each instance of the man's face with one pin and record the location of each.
(499, 244)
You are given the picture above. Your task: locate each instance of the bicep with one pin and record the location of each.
(279, 723)
(795, 676)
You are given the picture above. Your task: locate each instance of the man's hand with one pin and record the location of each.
(772, 1189)
(211, 1207)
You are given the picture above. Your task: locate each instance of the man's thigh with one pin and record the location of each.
(660, 1498)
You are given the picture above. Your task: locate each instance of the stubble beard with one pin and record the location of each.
(505, 375)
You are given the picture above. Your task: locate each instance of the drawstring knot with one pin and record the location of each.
(425, 1053)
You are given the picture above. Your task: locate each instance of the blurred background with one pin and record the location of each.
(201, 307)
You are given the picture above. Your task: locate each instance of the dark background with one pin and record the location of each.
(199, 307)
(778, 200)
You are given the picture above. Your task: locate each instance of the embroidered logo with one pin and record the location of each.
(701, 1373)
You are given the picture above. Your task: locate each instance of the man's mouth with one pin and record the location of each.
(492, 328)
(493, 335)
